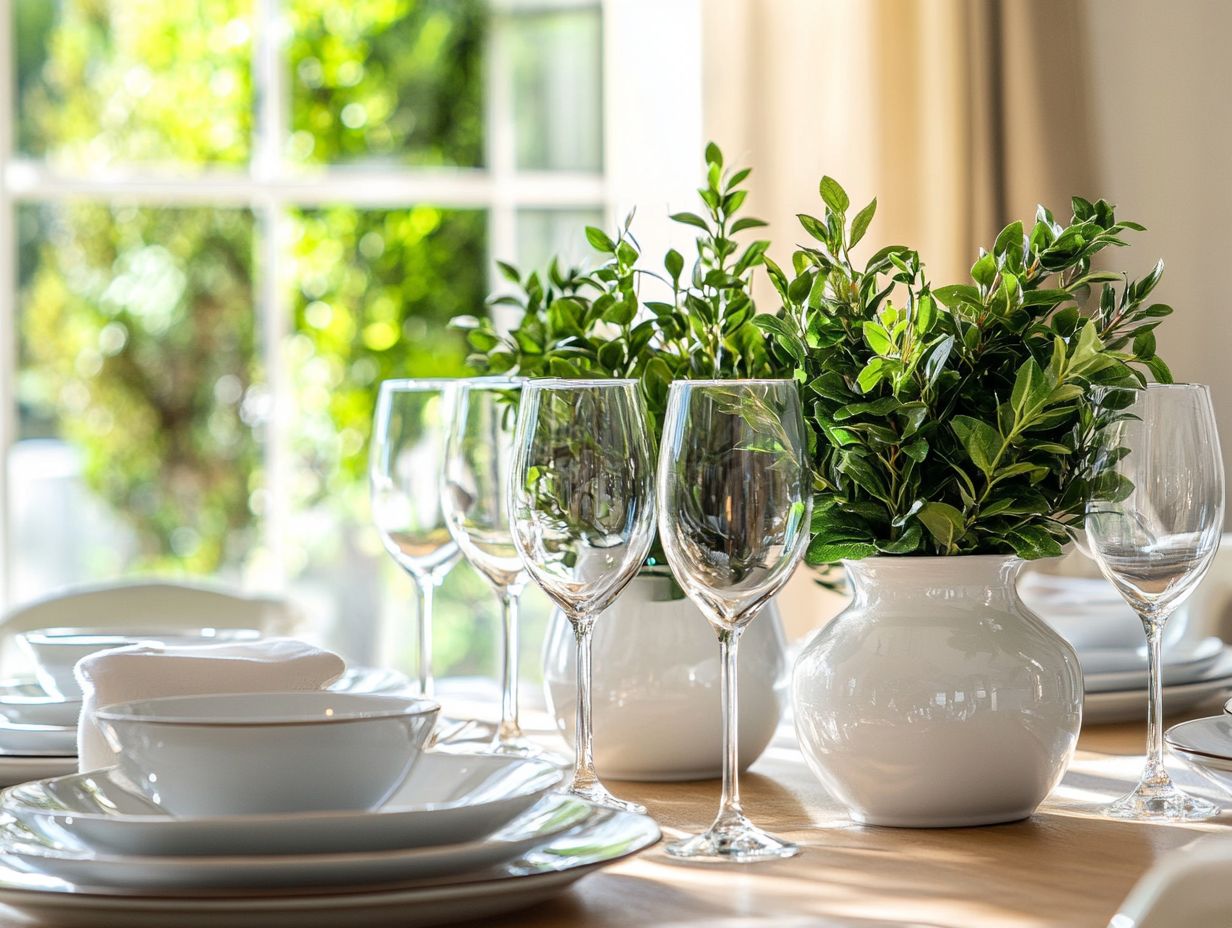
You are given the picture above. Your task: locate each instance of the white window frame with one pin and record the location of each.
(652, 142)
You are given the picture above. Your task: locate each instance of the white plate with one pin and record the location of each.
(1130, 705)
(448, 799)
(38, 739)
(1188, 887)
(533, 878)
(25, 702)
(18, 768)
(1184, 662)
(78, 864)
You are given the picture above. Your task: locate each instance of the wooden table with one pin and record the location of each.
(1064, 866)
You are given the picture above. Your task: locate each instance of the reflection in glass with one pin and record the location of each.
(1153, 524)
(405, 476)
(734, 504)
(475, 499)
(582, 508)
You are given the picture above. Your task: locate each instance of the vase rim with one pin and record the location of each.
(933, 558)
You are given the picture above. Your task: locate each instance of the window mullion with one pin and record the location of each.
(274, 314)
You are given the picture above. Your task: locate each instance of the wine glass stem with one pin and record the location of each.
(425, 587)
(509, 726)
(729, 641)
(584, 764)
(1155, 772)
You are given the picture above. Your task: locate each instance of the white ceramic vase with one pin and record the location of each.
(937, 698)
(655, 690)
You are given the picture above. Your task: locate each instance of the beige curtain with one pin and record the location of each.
(959, 115)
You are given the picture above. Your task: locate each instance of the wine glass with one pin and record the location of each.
(405, 468)
(581, 500)
(1153, 520)
(475, 500)
(734, 505)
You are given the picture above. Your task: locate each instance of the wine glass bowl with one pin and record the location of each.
(1154, 521)
(581, 502)
(405, 464)
(734, 504)
(475, 502)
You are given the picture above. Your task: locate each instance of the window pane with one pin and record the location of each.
(138, 392)
(374, 290)
(104, 82)
(387, 80)
(547, 233)
(557, 80)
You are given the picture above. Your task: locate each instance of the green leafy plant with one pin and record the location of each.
(957, 419)
(578, 323)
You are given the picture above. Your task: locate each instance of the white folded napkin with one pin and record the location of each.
(147, 671)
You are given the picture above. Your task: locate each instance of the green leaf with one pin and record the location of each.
(673, 261)
(690, 219)
(984, 271)
(509, 272)
(956, 294)
(748, 222)
(833, 194)
(814, 227)
(600, 241)
(713, 154)
(820, 551)
(1009, 247)
(860, 224)
(1031, 389)
(980, 440)
(878, 339)
(907, 543)
(944, 523)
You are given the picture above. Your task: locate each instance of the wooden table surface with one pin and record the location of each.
(1064, 866)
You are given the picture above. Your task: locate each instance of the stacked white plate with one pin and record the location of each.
(38, 729)
(465, 836)
(1108, 637)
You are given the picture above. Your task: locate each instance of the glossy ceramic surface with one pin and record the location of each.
(538, 874)
(286, 752)
(656, 684)
(1206, 746)
(1188, 887)
(25, 702)
(17, 738)
(79, 864)
(937, 699)
(56, 651)
(18, 768)
(448, 798)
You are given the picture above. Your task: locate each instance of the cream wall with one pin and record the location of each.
(1130, 100)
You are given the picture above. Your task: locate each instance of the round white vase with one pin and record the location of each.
(937, 698)
(655, 691)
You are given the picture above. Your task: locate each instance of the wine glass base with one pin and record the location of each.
(1163, 802)
(734, 840)
(521, 746)
(597, 793)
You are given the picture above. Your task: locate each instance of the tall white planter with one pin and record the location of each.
(655, 690)
(937, 698)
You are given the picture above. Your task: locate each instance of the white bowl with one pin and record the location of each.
(1206, 745)
(56, 651)
(261, 753)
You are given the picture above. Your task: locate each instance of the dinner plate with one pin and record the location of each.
(37, 851)
(536, 876)
(18, 768)
(1130, 705)
(1183, 662)
(38, 739)
(447, 799)
(24, 702)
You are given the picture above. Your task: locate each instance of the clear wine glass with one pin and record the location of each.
(405, 469)
(475, 498)
(582, 504)
(734, 505)
(1153, 522)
